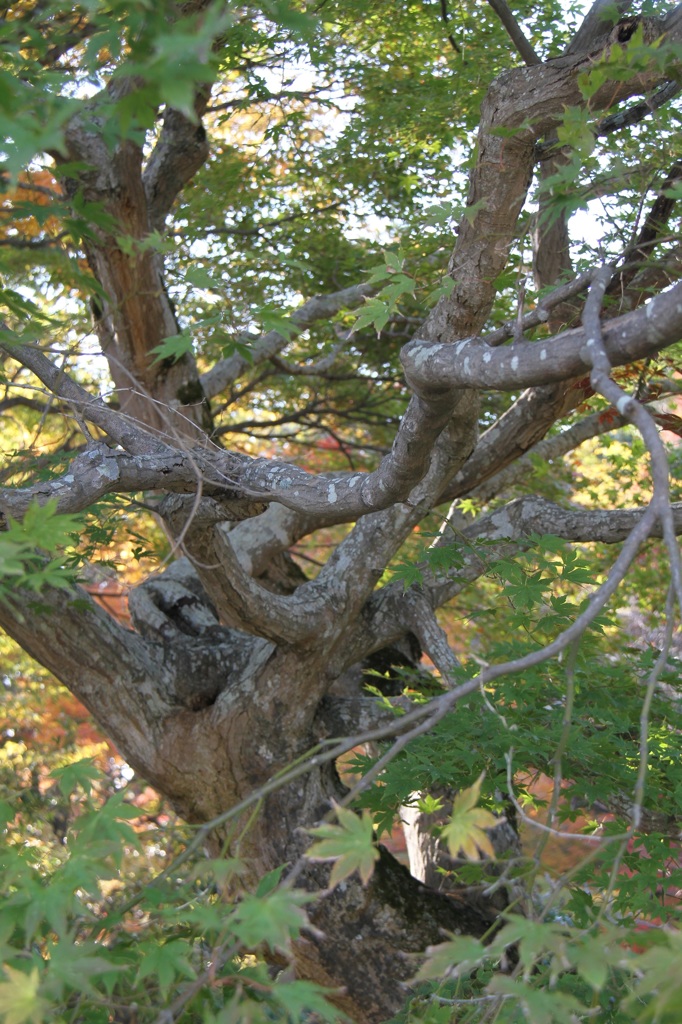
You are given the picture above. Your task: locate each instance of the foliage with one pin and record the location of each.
(94, 912)
(78, 937)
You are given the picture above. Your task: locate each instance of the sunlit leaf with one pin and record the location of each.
(350, 844)
(465, 832)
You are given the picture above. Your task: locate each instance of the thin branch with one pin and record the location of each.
(243, 102)
(266, 224)
(445, 17)
(515, 32)
(435, 710)
(650, 232)
(320, 307)
(125, 432)
(638, 111)
(320, 368)
(33, 243)
(540, 314)
(32, 186)
(549, 448)
(494, 535)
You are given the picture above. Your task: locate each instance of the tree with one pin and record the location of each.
(302, 234)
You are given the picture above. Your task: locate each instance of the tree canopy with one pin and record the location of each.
(340, 342)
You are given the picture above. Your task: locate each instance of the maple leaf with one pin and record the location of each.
(350, 844)
(465, 832)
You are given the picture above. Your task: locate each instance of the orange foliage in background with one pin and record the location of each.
(35, 188)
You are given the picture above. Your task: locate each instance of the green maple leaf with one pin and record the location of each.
(174, 347)
(273, 919)
(350, 844)
(465, 832)
(166, 963)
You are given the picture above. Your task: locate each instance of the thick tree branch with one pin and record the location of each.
(181, 150)
(129, 434)
(522, 105)
(118, 675)
(435, 372)
(472, 363)
(387, 615)
(597, 26)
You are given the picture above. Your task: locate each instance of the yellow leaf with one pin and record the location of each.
(19, 999)
(465, 832)
(350, 844)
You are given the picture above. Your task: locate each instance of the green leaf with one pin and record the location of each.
(7, 813)
(80, 773)
(274, 320)
(657, 992)
(174, 348)
(269, 882)
(393, 261)
(219, 870)
(350, 844)
(200, 277)
(444, 289)
(591, 961)
(77, 965)
(380, 273)
(471, 212)
(272, 920)
(539, 1006)
(44, 527)
(407, 573)
(303, 1000)
(166, 962)
(375, 313)
(400, 285)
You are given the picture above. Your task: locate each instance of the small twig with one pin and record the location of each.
(562, 746)
(314, 369)
(258, 228)
(33, 243)
(446, 21)
(518, 326)
(540, 314)
(547, 830)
